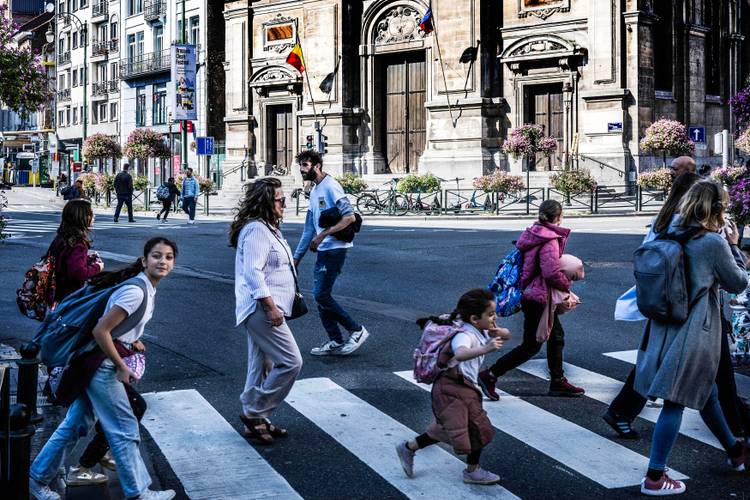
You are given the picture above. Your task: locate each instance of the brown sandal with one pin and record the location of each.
(256, 429)
(277, 432)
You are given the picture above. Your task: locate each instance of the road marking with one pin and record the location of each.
(604, 389)
(742, 381)
(591, 455)
(372, 436)
(208, 456)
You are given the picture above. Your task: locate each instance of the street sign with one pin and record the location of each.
(697, 134)
(205, 146)
(614, 127)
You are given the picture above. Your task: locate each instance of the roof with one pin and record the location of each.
(37, 22)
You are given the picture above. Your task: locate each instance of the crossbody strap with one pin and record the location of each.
(289, 256)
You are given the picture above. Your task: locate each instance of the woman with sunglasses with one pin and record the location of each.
(264, 288)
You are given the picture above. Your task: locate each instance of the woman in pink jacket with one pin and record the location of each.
(542, 245)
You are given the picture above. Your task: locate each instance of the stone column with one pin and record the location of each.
(694, 94)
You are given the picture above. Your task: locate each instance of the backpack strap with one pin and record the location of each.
(133, 319)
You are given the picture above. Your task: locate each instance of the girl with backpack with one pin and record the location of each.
(679, 362)
(116, 366)
(542, 245)
(460, 419)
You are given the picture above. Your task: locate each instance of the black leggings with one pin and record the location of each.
(423, 441)
(99, 446)
(166, 207)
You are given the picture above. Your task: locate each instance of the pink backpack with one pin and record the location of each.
(433, 353)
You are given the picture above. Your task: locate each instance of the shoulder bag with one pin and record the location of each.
(299, 307)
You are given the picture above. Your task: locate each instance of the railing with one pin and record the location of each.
(63, 95)
(114, 45)
(114, 86)
(100, 89)
(601, 164)
(100, 48)
(616, 197)
(63, 58)
(153, 9)
(100, 9)
(144, 64)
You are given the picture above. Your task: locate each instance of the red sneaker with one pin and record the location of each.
(487, 382)
(663, 487)
(561, 387)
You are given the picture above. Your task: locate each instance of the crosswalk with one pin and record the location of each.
(194, 437)
(38, 228)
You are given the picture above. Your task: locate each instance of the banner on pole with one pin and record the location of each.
(183, 81)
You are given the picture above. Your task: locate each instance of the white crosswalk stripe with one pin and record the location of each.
(372, 435)
(26, 228)
(589, 454)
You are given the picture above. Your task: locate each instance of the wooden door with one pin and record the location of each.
(280, 136)
(544, 106)
(404, 115)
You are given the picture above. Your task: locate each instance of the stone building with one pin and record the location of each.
(595, 73)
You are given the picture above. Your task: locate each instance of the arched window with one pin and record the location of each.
(114, 28)
(714, 62)
(663, 46)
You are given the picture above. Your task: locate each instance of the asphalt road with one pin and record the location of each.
(545, 447)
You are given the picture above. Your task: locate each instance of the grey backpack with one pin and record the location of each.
(661, 279)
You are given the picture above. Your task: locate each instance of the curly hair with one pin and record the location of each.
(75, 225)
(312, 156)
(258, 203)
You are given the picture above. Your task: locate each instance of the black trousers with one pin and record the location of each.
(99, 446)
(628, 404)
(128, 201)
(166, 207)
(532, 314)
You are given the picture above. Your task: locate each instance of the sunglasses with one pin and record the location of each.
(281, 200)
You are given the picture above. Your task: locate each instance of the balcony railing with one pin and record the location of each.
(114, 86)
(144, 64)
(105, 87)
(100, 9)
(63, 57)
(114, 45)
(153, 9)
(100, 48)
(63, 95)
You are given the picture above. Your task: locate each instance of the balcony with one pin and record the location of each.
(154, 9)
(113, 86)
(145, 64)
(114, 45)
(99, 9)
(100, 48)
(63, 95)
(63, 58)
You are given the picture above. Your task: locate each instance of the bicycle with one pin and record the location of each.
(278, 171)
(392, 202)
(420, 205)
(472, 203)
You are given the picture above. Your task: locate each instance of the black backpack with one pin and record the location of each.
(661, 283)
(67, 193)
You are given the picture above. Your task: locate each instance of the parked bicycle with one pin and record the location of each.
(474, 202)
(392, 202)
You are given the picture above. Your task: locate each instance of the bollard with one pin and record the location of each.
(15, 440)
(28, 376)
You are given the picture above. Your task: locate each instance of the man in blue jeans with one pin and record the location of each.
(328, 193)
(189, 195)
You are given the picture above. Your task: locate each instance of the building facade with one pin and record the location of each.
(594, 73)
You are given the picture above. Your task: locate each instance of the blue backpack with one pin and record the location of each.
(66, 334)
(507, 284)
(162, 192)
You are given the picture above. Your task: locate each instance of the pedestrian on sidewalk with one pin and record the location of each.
(460, 419)
(75, 191)
(166, 203)
(265, 287)
(190, 190)
(105, 395)
(681, 165)
(124, 192)
(326, 194)
(542, 245)
(679, 362)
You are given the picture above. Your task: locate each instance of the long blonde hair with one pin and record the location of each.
(705, 204)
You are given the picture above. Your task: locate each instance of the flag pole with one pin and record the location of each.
(442, 67)
(307, 78)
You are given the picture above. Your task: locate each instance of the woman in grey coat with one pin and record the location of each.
(678, 363)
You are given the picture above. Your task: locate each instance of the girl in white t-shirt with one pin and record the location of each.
(460, 419)
(106, 397)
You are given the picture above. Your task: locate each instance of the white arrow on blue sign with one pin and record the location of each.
(697, 134)
(205, 146)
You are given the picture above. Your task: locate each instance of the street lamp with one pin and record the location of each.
(83, 29)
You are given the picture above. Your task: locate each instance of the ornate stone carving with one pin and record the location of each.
(273, 76)
(400, 24)
(537, 47)
(542, 9)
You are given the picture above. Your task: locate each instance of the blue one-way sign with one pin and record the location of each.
(205, 146)
(697, 134)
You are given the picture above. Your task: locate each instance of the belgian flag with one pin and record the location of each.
(296, 59)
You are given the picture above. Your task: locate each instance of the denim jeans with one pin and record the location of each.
(327, 268)
(668, 427)
(106, 398)
(188, 206)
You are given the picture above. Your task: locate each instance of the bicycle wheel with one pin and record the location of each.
(400, 205)
(367, 204)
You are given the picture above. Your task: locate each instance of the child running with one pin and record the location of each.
(460, 419)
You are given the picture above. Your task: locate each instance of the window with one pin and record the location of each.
(83, 37)
(113, 111)
(715, 61)
(74, 5)
(194, 33)
(114, 28)
(101, 70)
(75, 78)
(61, 118)
(61, 46)
(95, 114)
(159, 109)
(135, 7)
(158, 39)
(663, 44)
(102, 112)
(113, 71)
(83, 115)
(82, 75)
(102, 32)
(61, 7)
(140, 106)
(67, 115)
(84, 3)
(75, 116)
(61, 81)
(75, 39)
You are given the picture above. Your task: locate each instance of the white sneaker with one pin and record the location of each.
(191, 221)
(355, 341)
(41, 491)
(157, 495)
(81, 476)
(330, 348)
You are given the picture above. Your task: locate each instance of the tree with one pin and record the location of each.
(23, 81)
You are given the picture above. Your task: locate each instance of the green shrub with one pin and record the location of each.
(141, 183)
(413, 183)
(352, 183)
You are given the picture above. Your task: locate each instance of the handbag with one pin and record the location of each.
(299, 307)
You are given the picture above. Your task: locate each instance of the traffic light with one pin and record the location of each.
(310, 146)
(322, 142)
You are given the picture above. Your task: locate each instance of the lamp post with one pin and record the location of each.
(183, 135)
(83, 28)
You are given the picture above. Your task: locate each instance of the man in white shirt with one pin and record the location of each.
(328, 193)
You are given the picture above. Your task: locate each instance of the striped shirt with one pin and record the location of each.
(262, 268)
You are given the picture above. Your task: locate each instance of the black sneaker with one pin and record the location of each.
(620, 426)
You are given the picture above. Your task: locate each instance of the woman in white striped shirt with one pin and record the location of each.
(264, 289)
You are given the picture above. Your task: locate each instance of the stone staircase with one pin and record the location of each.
(233, 189)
